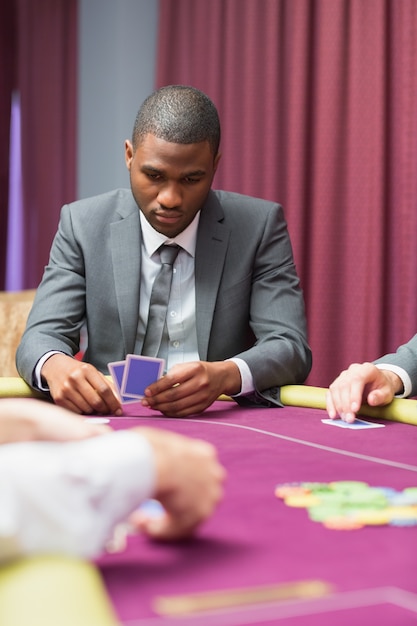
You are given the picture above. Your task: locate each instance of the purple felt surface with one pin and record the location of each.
(256, 539)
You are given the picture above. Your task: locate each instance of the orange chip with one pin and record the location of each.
(342, 523)
(284, 491)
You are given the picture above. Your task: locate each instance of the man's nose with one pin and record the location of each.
(170, 195)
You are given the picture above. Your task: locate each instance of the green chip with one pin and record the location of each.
(321, 512)
(349, 486)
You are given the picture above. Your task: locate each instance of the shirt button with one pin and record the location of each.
(173, 314)
(176, 344)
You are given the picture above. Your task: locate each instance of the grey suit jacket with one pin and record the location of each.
(405, 357)
(248, 299)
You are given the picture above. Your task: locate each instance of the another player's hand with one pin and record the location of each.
(361, 382)
(79, 387)
(27, 419)
(189, 388)
(189, 484)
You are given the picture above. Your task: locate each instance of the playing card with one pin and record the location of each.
(358, 424)
(116, 370)
(139, 372)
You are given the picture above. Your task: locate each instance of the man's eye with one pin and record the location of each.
(191, 180)
(152, 176)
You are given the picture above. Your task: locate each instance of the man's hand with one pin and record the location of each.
(189, 484)
(27, 419)
(79, 387)
(361, 382)
(189, 388)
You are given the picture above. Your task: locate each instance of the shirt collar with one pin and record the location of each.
(153, 240)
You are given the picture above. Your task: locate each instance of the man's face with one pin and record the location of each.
(170, 181)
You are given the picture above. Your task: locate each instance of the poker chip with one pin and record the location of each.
(289, 490)
(351, 505)
(372, 518)
(404, 499)
(302, 501)
(388, 492)
(322, 512)
(342, 523)
(402, 512)
(348, 486)
(403, 522)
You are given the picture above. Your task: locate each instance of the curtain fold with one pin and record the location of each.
(41, 45)
(318, 101)
(47, 85)
(7, 79)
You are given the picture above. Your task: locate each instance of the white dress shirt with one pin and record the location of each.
(67, 497)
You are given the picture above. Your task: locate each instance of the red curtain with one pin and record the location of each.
(7, 78)
(318, 101)
(42, 42)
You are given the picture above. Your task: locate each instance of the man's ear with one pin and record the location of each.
(128, 153)
(216, 160)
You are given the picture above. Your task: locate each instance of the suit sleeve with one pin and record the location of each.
(281, 354)
(58, 311)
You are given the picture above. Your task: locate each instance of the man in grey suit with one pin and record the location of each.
(393, 375)
(236, 322)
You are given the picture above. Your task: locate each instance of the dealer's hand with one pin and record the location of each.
(361, 382)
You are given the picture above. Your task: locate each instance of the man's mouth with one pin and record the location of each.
(167, 217)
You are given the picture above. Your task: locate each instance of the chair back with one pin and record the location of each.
(14, 311)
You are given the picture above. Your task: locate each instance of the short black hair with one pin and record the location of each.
(178, 114)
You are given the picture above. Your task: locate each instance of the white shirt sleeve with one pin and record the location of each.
(68, 497)
(37, 378)
(245, 375)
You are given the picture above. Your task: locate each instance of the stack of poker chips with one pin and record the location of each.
(350, 505)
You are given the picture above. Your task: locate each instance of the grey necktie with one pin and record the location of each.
(155, 342)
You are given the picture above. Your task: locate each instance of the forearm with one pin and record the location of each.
(73, 493)
(275, 362)
(16, 423)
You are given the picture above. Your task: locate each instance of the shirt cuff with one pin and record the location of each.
(405, 379)
(37, 378)
(246, 377)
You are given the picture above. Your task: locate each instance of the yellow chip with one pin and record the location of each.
(372, 518)
(402, 512)
(302, 501)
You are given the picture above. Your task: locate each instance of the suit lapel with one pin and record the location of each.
(212, 242)
(125, 246)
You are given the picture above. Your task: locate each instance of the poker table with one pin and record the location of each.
(260, 561)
